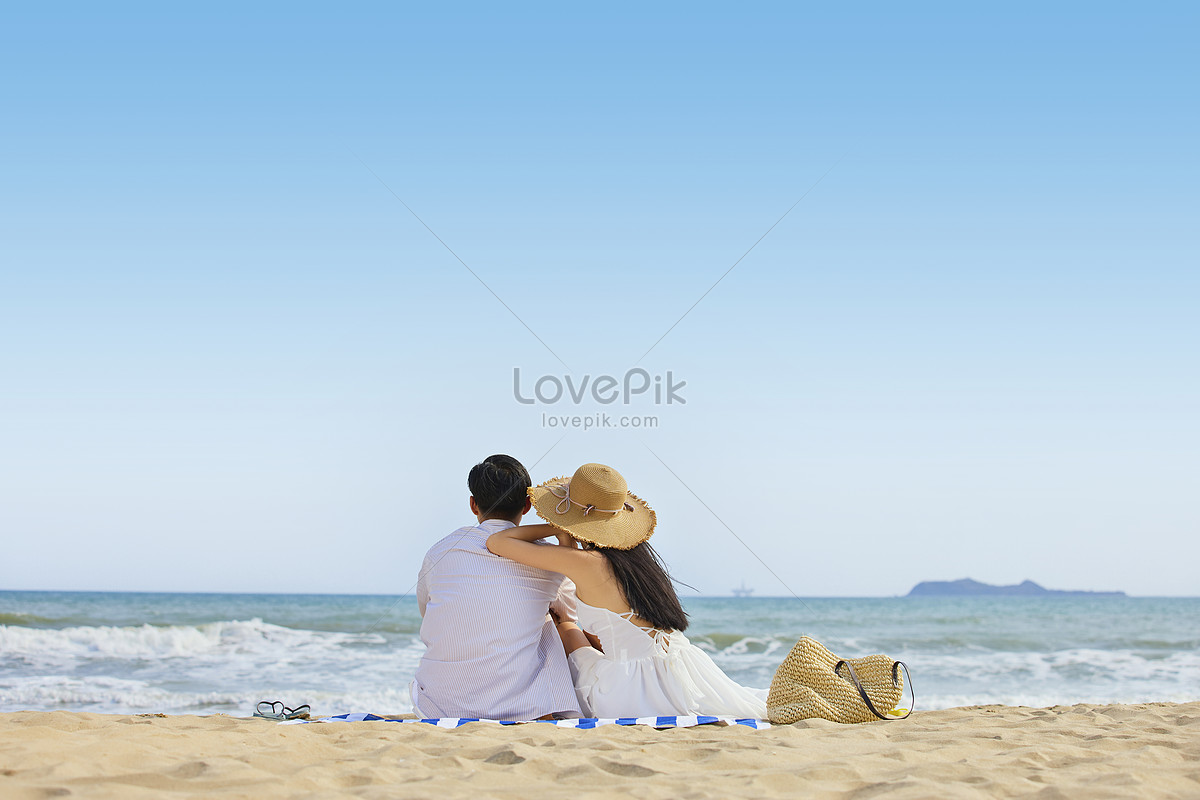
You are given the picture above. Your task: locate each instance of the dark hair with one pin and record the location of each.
(500, 486)
(647, 587)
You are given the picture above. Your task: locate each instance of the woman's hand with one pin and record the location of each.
(527, 533)
(566, 540)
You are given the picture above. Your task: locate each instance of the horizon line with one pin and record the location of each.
(1113, 594)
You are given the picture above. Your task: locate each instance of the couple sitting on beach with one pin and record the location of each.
(517, 628)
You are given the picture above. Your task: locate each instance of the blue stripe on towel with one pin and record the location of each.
(587, 723)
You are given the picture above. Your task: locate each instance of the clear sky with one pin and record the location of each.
(231, 360)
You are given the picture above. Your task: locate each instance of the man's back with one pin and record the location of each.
(492, 652)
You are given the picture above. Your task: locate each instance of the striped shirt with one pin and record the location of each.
(492, 651)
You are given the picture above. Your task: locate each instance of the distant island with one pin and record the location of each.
(969, 588)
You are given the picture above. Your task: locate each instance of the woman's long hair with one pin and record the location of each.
(646, 585)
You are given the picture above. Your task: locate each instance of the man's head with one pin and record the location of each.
(499, 489)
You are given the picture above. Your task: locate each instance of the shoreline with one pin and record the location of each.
(1085, 750)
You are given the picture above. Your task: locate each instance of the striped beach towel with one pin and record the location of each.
(454, 722)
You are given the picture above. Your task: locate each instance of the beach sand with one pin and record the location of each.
(1150, 750)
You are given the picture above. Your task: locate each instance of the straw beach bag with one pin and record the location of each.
(813, 682)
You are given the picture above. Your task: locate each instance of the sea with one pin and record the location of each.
(222, 653)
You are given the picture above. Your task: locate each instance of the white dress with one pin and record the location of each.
(644, 675)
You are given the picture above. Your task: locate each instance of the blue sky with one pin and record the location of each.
(233, 361)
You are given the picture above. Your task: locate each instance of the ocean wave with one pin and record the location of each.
(730, 645)
(210, 654)
(110, 695)
(1016, 678)
(1094, 665)
(1047, 700)
(25, 619)
(223, 638)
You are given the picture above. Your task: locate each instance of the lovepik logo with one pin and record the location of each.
(603, 389)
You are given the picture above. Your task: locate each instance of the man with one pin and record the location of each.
(492, 651)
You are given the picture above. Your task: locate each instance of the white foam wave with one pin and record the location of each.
(219, 666)
(228, 666)
(156, 642)
(933, 702)
(1094, 666)
(978, 677)
(106, 694)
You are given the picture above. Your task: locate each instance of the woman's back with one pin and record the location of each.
(598, 584)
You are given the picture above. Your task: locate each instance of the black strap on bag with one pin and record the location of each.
(896, 665)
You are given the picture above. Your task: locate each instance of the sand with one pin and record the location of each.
(1150, 750)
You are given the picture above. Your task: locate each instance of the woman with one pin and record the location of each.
(628, 654)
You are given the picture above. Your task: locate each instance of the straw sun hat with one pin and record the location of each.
(595, 505)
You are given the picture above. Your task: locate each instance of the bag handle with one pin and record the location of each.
(896, 665)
